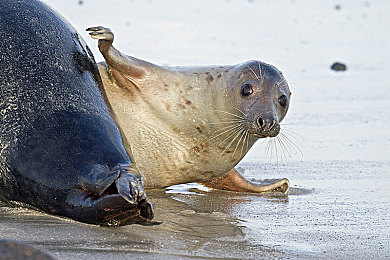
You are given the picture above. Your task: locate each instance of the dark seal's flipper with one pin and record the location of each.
(109, 210)
(128, 181)
(111, 197)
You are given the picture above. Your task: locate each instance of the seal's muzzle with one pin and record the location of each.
(267, 127)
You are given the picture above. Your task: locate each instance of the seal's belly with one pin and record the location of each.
(166, 159)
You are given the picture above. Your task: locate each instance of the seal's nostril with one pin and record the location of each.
(273, 124)
(260, 121)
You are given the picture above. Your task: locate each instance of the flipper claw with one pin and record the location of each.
(101, 33)
(130, 186)
(97, 201)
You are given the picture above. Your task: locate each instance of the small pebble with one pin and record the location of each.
(337, 66)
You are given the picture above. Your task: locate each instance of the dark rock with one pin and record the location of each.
(337, 66)
(16, 250)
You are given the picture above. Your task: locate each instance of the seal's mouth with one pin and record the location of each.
(259, 135)
(264, 133)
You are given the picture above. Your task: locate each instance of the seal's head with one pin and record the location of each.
(261, 95)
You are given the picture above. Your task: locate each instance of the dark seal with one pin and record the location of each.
(60, 150)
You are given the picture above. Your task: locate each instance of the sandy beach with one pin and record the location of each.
(339, 124)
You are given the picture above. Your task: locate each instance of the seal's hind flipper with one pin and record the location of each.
(234, 181)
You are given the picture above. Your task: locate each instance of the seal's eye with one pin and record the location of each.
(246, 90)
(283, 100)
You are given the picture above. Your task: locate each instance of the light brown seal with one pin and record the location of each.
(192, 124)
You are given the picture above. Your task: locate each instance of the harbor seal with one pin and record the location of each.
(192, 124)
(60, 149)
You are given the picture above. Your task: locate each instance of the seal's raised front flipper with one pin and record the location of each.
(125, 65)
(234, 181)
(111, 197)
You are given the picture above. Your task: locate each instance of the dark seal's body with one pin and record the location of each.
(60, 150)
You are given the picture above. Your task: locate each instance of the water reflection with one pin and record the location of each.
(197, 222)
(218, 200)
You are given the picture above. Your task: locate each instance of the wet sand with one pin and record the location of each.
(338, 204)
(323, 216)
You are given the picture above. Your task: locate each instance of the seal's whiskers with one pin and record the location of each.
(260, 73)
(293, 134)
(231, 142)
(272, 149)
(281, 81)
(283, 147)
(233, 125)
(268, 148)
(242, 134)
(236, 131)
(229, 129)
(253, 72)
(233, 121)
(276, 149)
(221, 111)
(290, 143)
(244, 141)
(230, 135)
(240, 111)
